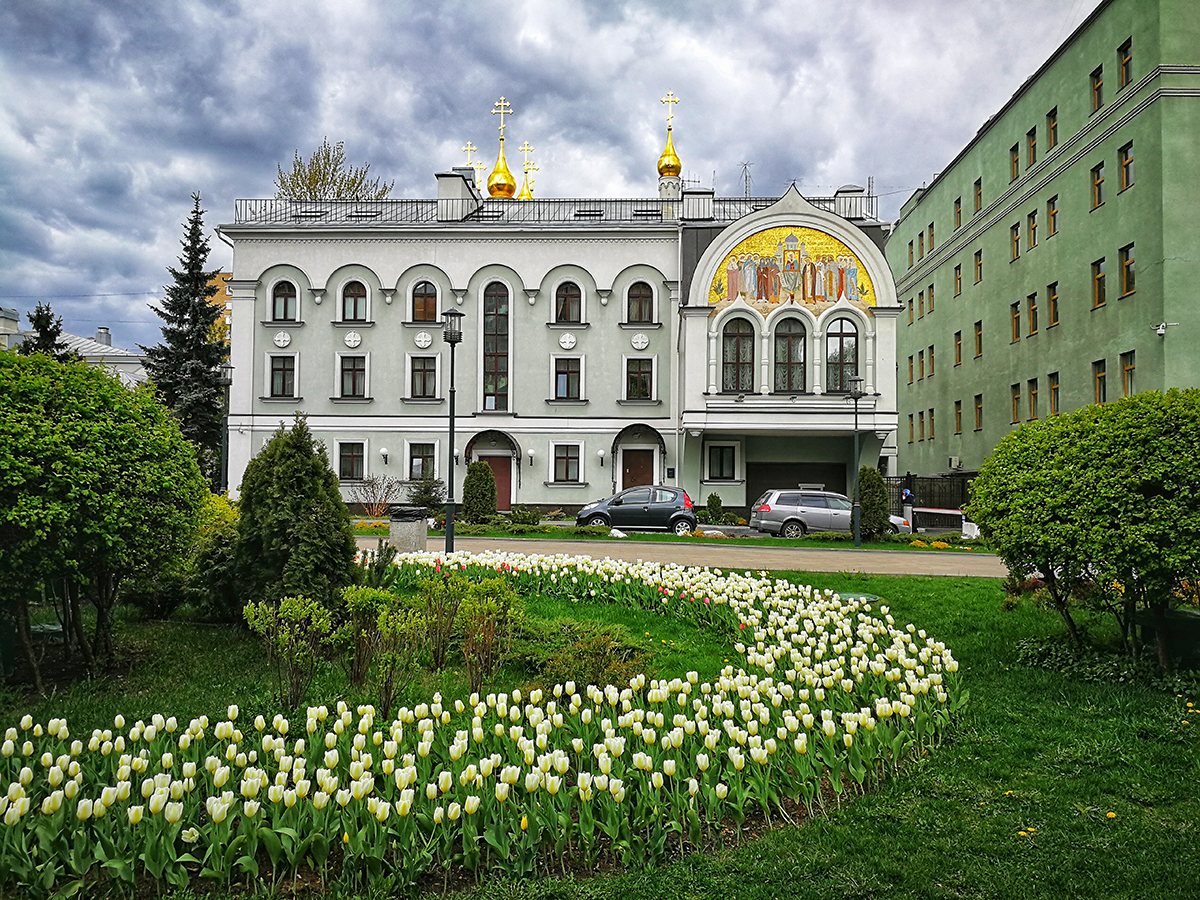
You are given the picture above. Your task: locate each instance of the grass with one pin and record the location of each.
(1032, 752)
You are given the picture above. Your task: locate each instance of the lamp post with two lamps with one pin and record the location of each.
(452, 336)
(225, 380)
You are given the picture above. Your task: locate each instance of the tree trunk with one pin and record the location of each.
(72, 591)
(1060, 603)
(27, 642)
(104, 588)
(1159, 612)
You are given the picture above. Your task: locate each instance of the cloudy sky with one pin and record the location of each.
(112, 112)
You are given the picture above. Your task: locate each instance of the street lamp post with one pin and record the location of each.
(856, 394)
(225, 380)
(452, 335)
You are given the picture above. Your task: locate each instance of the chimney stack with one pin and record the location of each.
(103, 336)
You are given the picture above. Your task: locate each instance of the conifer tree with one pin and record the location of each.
(185, 367)
(47, 335)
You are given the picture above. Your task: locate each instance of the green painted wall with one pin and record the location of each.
(1159, 113)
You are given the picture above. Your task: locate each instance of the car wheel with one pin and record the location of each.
(793, 530)
(682, 527)
(597, 521)
(895, 529)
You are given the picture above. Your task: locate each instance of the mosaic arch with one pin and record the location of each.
(791, 263)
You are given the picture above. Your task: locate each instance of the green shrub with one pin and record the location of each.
(479, 493)
(378, 569)
(294, 630)
(561, 650)
(403, 638)
(873, 504)
(357, 636)
(442, 597)
(487, 616)
(212, 573)
(702, 517)
(590, 530)
(428, 492)
(715, 508)
(526, 515)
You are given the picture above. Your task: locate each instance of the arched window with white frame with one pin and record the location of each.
(737, 357)
(841, 355)
(790, 340)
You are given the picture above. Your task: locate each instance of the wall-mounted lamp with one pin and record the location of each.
(600, 453)
(530, 453)
(456, 456)
(739, 398)
(383, 452)
(1161, 328)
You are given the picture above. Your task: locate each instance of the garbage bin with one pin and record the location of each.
(408, 529)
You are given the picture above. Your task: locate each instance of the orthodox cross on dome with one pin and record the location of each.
(502, 108)
(469, 149)
(527, 166)
(480, 167)
(525, 150)
(670, 99)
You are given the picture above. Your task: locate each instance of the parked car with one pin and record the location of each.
(792, 513)
(647, 507)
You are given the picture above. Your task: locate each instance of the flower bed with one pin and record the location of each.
(830, 691)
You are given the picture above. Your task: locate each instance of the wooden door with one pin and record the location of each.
(502, 470)
(637, 468)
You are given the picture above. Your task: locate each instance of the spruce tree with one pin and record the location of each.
(185, 367)
(47, 335)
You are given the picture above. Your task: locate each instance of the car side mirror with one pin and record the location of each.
(616, 501)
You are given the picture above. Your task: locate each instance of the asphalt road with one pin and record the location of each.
(801, 559)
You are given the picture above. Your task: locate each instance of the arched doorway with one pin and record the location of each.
(638, 455)
(503, 454)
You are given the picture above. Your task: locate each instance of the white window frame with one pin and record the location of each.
(366, 442)
(337, 375)
(654, 298)
(340, 308)
(437, 458)
(625, 358)
(583, 298)
(437, 376)
(738, 462)
(267, 357)
(550, 480)
(512, 331)
(271, 300)
(554, 358)
(410, 312)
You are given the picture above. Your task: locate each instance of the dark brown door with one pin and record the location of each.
(638, 468)
(502, 470)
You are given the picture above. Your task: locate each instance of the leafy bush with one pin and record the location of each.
(375, 494)
(526, 515)
(212, 573)
(357, 637)
(873, 504)
(428, 492)
(487, 614)
(442, 598)
(702, 517)
(479, 493)
(294, 630)
(403, 638)
(556, 651)
(1106, 667)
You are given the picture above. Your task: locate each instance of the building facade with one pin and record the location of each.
(1051, 264)
(683, 339)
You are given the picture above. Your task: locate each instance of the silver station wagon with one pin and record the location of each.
(792, 513)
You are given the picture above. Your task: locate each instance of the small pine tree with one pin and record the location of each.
(428, 492)
(294, 531)
(479, 493)
(873, 497)
(185, 367)
(47, 335)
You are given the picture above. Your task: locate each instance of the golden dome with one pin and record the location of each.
(526, 193)
(668, 163)
(501, 182)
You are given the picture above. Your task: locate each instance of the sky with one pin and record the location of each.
(113, 113)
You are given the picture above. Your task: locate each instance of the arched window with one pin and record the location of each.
(841, 355)
(424, 307)
(737, 357)
(568, 303)
(354, 302)
(284, 307)
(641, 304)
(495, 346)
(789, 356)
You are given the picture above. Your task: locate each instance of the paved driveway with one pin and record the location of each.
(871, 562)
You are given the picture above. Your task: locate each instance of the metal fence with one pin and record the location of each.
(942, 491)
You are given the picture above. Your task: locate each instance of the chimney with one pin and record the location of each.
(103, 336)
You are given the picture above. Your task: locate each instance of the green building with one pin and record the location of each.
(1054, 261)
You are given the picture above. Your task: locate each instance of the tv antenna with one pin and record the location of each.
(746, 179)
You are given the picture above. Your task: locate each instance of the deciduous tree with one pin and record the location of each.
(326, 176)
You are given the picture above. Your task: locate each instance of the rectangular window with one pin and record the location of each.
(1014, 240)
(929, 355)
(1098, 292)
(566, 462)
(957, 280)
(1031, 147)
(350, 461)
(911, 429)
(1128, 364)
(920, 365)
(1097, 80)
(1098, 186)
(921, 245)
(1015, 315)
(283, 376)
(910, 254)
(978, 339)
(1125, 162)
(1125, 63)
(921, 305)
(720, 462)
(1016, 403)
(1031, 313)
(1031, 230)
(979, 412)
(911, 369)
(354, 376)
(978, 194)
(420, 460)
(1014, 162)
(1052, 304)
(1099, 381)
(978, 266)
(958, 348)
(910, 310)
(1127, 270)
(1052, 216)
(1053, 379)
(639, 379)
(958, 213)
(930, 237)
(958, 417)
(1032, 389)
(931, 435)
(566, 378)
(424, 377)
(921, 426)
(1052, 129)
(929, 291)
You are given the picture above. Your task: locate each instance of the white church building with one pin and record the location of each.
(684, 339)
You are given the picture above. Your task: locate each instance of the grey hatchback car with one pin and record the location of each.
(793, 513)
